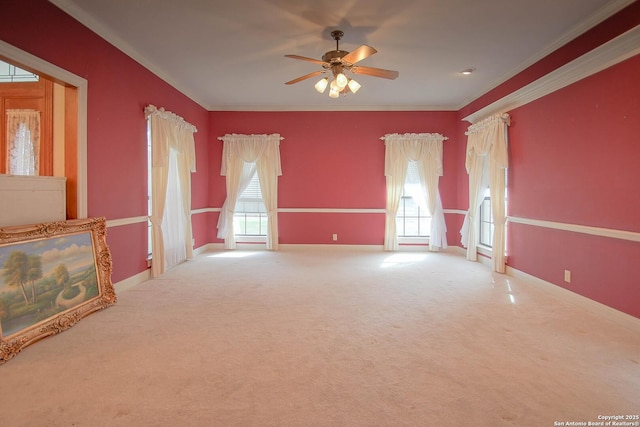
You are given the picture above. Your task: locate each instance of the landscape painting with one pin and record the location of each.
(51, 275)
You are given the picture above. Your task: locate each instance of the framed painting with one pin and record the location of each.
(51, 276)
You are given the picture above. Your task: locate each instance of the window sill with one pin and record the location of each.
(250, 239)
(423, 240)
(484, 250)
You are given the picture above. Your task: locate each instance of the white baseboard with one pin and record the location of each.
(293, 246)
(208, 247)
(457, 250)
(132, 281)
(623, 319)
(483, 258)
(145, 275)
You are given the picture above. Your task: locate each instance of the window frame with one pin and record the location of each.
(484, 222)
(481, 247)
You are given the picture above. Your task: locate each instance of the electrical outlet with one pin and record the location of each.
(335, 237)
(567, 276)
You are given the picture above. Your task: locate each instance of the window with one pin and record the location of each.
(250, 217)
(9, 73)
(23, 142)
(27, 146)
(413, 219)
(486, 222)
(485, 218)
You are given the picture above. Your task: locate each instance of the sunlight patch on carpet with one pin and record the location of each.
(512, 298)
(401, 259)
(232, 254)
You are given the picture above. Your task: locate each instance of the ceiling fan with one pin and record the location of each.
(337, 62)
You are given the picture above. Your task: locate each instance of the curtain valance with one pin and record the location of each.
(489, 121)
(415, 147)
(249, 148)
(171, 131)
(175, 119)
(487, 138)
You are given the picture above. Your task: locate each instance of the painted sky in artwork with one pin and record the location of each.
(74, 250)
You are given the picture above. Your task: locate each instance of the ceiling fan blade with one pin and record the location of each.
(358, 54)
(376, 72)
(304, 58)
(306, 76)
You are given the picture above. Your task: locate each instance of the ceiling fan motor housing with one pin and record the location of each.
(334, 56)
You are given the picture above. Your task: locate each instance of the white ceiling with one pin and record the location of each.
(229, 55)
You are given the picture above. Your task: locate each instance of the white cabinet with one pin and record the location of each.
(31, 199)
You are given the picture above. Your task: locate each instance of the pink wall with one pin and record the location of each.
(577, 151)
(333, 160)
(119, 89)
(574, 159)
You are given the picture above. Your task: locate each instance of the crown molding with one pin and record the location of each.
(614, 51)
(601, 15)
(71, 8)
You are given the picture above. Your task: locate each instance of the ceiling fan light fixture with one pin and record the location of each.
(354, 86)
(337, 62)
(322, 84)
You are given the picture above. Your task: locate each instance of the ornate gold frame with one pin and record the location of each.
(51, 241)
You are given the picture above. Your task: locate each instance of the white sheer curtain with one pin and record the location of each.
(239, 181)
(23, 142)
(426, 150)
(170, 132)
(174, 218)
(264, 151)
(486, 163)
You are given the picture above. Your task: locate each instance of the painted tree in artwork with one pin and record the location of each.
(61, 275)
(34, 273)
(16, 268)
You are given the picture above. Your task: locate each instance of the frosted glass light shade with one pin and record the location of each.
(322, 85)
(354, 86)
(341, 80)
(334, 92)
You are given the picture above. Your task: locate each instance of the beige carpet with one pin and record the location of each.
(328, 337)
